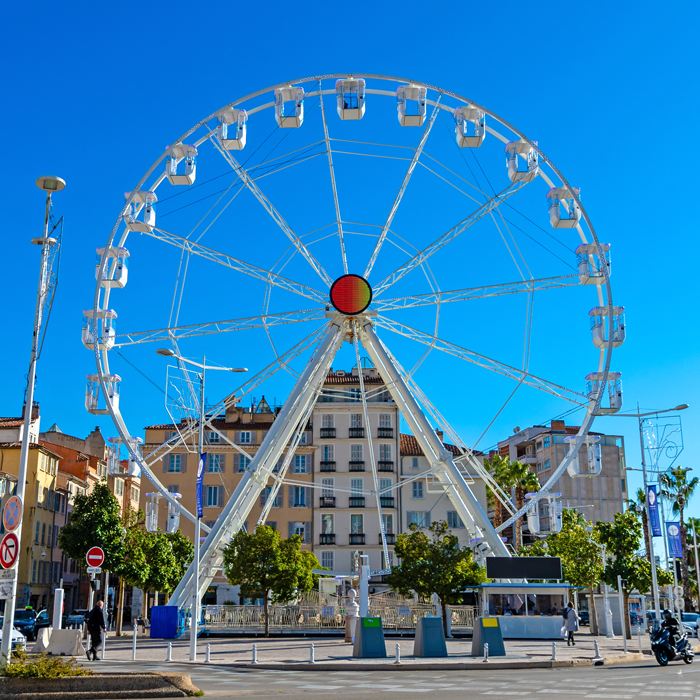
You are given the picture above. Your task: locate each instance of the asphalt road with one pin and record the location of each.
(635, 681)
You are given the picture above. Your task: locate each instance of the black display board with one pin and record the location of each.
(547, 568)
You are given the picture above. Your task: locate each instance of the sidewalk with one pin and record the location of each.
(331, 654)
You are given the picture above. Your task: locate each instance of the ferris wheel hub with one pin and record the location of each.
(351, 294)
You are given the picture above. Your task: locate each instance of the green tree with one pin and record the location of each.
(676, 488)
(639, 506)
(434, 564)
(499, 468)
(621, 539)
(526, 481)
(692, 524)
(268, 567)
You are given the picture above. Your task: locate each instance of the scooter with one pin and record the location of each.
(664, 651)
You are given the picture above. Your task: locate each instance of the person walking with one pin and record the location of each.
(571, 619)
(96, 625)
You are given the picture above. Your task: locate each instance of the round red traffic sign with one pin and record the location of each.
(12, 514)
(95, 556)
(9, 550)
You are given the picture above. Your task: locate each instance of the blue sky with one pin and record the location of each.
(94, 94)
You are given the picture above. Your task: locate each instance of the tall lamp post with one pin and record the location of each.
(650, 543)
(606, 604)
(166, 352)
(49, 185)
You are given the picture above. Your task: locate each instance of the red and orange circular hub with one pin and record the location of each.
(351, 294)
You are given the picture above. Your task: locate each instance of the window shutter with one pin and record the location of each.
(263, 496)
(307, 496)
(409, 517)
(183, 463)
(222, 463)
(279, 501)
(291, 496)
(290, 529)
(426, 518)
(307, 532)
(166, 463)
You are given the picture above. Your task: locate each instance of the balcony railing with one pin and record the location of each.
(357, 501)
(385, 466)
(390, 538)
(356, 433)
(386, 501)
(358, 538)
(327, 432)
(328, 538)
(357, 466)
(385, 433)
(327, 502)
(327, 466)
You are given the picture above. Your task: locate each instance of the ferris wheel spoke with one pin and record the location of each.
(235, 264)
(448, 236)
(494, 290)
(213, 327)
(335, 189)
(402, 189)
(482, 361)
(267, 205)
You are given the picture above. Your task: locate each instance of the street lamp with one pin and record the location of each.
(48, 184)
(166, 352)
(608, 612)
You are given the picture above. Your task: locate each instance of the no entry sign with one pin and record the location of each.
(95, 556)
(9, 550)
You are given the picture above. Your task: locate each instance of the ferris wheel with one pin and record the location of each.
(362, 213)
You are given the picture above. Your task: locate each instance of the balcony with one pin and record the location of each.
(357, 502)
(327, 466)
(356, 433)
(358, 538)
(328, 538)
(327, 502)
(386, 501)
(327, 432)
(385, 433)
(385, 466)
(357, 466)
(390, 538)
(528, 458)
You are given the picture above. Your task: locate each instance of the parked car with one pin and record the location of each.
(76, 618)
(42, 620)
(584, 617)
(25, 622)
(690, 622)
(19, 641)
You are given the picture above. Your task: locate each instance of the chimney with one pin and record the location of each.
(558, 425)
(440, 434)
(35, 410)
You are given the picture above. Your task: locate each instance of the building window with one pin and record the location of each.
(212, 497)
(297, 528)
(328, 490)
(214, 438)
(414, 462)
(388, 523)
(355, 420)
(385, 487)
(417, 490)
(173, 488)
(327, 422)
(387, 564)
(43, 532)
(454, 521)
(34, 563)
(355, 453)
(245, 437)
(119, 487)
(417, 517)
(546, 441)
(243, 462)
(327, 560)
(328, 453)
(214, 464)
(356, 525)
(356, 487)
(385, 420)
(547, 464)
(300, 464)
(327, 524)
(271, 523)
(135, 494)
(175, 463)
(385, 453)
(299, 497)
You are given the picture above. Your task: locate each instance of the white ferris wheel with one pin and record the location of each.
(362, 214)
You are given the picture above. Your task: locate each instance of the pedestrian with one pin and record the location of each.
(96, 625)
(571, 619)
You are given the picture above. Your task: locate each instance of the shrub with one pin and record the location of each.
(24, 666)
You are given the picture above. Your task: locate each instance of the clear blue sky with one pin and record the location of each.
(93, 93)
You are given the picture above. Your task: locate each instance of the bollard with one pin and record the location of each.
(486, 652)
(398, 654)
(133, 646)
(170, 651)
(639, 637)
(255, 653)
(597, 652)
(554, 651)
(104, 636)
(311, 653)
(208, 659)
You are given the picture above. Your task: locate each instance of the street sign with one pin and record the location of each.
(94, 570)
(9, 550)
(8, 574)
(5, 590)
(95, 556)
(12, 514)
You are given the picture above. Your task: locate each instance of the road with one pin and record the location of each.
(637, 681)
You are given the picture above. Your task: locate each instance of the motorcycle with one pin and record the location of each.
(664, 651)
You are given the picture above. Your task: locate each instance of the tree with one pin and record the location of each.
(434, 564)
(499, 468)
(692, 524)
(676, 488)
(526, 481)
(640, 506)
(268, 567)
(621, 539)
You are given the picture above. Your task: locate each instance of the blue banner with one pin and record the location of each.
(200, 483)
(654, 519)
(675, 549)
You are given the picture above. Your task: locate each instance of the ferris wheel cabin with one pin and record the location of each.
(468, 137)
(289, 107)
(116, 269)
(141, 201)
(589, 462)
(561, 198)
(411, 105)
(600, 325)
(105, 331)
(527, 152)
(350, 96)
(592, 262)
(92, 393)
(233, 129)
(544, 517)
(181, 174)
(593, 385)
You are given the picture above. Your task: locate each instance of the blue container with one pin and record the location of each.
(164, 621)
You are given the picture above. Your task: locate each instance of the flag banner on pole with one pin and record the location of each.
(654, 520)
(675, 549)
(200, 483)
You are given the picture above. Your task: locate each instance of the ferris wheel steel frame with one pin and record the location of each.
(400, 384)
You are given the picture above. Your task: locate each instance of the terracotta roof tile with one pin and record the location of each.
(350, 379)
(32, 446)
(219, 423)
(409, 446)
(11, 422)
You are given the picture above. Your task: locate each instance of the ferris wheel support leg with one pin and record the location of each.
(466, 503)
(261, 468)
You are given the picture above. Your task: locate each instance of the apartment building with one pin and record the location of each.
(346, 518)
(543, 448)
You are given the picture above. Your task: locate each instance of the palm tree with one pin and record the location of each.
(526, 481)
(500, 469)
(676, 488)
(639, 506)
